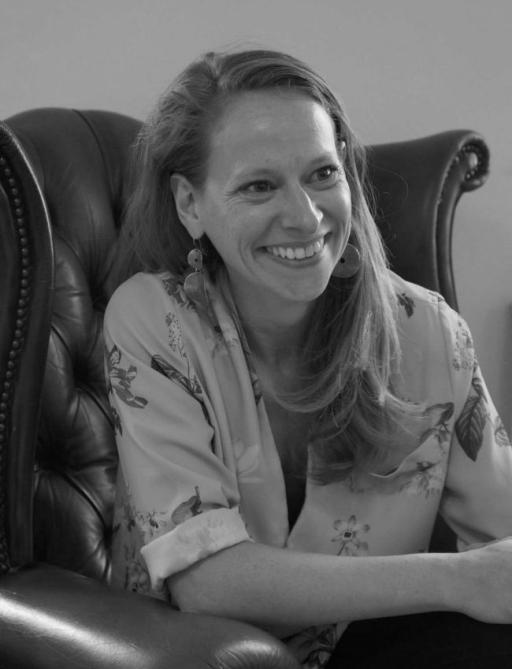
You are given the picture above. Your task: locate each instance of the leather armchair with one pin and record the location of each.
(62, 190)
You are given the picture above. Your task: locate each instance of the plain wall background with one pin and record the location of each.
(403, 69)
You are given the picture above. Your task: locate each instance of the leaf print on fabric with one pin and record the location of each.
(314, 646)
(191, 385)
(118, 427)
(120, 380)
(175, 335)
(427, 480)
(500, 434)
(187, 509)
(174, 288)
(407, 303)
(470, 425)
(464, 350)
(348, 536)
(136, 576)
(435, 298)
(441, 414)
(222, 338)
(150, 523)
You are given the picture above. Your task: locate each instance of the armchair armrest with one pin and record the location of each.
(54, 618)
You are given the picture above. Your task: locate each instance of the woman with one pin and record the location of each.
(282, 400)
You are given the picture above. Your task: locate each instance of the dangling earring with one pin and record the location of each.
(194, 285)
(349, 263)
(194, 281)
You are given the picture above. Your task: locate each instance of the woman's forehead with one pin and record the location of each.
(267, 117)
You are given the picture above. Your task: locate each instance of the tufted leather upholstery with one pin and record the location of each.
(81, 163)
(61, 194)
(417, 185)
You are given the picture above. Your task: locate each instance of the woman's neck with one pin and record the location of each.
(275, 337)
(275, 329)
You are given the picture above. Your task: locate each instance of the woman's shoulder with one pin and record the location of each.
(140, 301)
(146, 290)
(137, 284)
(425, 317)
(413, 298)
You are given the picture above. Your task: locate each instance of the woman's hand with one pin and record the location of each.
(484, 582)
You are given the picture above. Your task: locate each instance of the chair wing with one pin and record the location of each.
(416, 186)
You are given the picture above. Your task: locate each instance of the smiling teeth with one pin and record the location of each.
(298, 252)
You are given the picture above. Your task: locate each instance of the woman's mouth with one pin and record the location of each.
(297, 251)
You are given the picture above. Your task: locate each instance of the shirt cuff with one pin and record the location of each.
(193, 540)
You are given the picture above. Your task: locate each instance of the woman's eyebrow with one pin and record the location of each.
(266, 170)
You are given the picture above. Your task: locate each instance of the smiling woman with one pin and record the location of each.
(275, 188)
(297, 402)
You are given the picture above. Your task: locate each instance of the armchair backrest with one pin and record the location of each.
(417, 186)
(62, 176)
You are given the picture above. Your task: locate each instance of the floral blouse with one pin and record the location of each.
(199, 469)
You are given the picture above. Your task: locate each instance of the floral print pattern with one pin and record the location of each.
(427, 480)
(471, 423)
(424, 474)
(120, 379)
(120, 382)
(349, 538)
(463, 352)
(441, 414)
(189, 383)
(174, 288)
(407, 303)
(315, 645)
(175, 335)
(500, 434)
(176, 481)
(188, 509)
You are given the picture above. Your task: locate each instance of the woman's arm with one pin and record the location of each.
(272, 587)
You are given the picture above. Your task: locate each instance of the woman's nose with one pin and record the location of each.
(301, 211)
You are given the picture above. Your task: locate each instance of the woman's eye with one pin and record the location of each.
(257, 187)
(327, 174)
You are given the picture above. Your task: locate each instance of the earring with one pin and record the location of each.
(349, 263)
(194, 281)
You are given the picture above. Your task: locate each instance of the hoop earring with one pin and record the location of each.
(349, 263)
(194, 281)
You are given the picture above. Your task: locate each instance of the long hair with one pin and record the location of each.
(352, 350)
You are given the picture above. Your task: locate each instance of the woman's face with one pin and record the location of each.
(275, 204)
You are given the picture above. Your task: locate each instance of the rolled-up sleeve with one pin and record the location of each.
(192, 541)
(180, 497)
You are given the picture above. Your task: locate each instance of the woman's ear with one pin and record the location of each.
(185, 199)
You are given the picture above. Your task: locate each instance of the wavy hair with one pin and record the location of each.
(352, 349)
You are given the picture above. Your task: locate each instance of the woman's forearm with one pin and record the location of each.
(274, 587)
